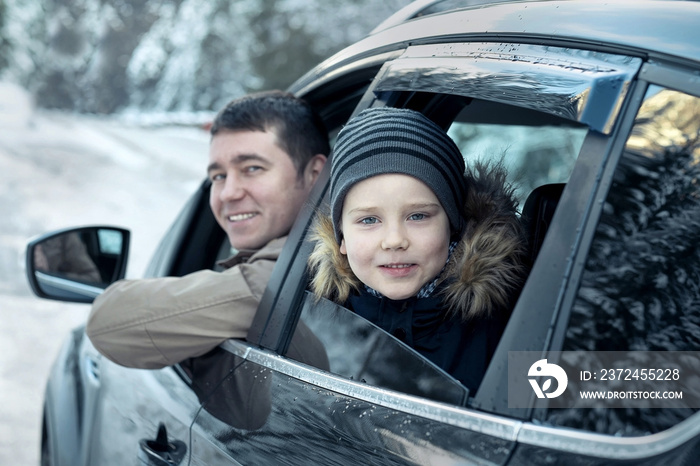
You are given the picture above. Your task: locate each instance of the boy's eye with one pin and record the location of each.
(369, 220)
(417, 217)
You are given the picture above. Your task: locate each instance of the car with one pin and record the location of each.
(594, 108)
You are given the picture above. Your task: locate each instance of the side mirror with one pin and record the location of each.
(77, 264)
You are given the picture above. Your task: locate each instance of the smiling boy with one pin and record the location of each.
(396, 235)
(425, 251)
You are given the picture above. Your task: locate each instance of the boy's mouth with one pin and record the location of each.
(398, 270)
(398, 266)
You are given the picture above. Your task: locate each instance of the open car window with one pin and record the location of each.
(525, 142)
(534, 151)
(500, 104)
(359, 350)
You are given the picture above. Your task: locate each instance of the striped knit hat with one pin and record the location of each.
(390, 140)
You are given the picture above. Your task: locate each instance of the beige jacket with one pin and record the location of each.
(157, 322)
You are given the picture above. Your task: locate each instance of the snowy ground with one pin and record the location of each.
(59, 170)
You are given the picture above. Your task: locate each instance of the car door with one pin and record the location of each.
(377, 401)
(125, 408)
(98, 412)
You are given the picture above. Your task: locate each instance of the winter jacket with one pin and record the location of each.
(459, 325)
(157, 322)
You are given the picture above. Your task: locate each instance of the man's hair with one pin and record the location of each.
(299, 130)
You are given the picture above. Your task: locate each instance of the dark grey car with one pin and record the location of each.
(595, 109)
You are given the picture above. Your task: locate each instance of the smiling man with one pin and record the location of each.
(256, 190)
(266, 153)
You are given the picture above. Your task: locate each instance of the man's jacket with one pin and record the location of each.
(157, 322)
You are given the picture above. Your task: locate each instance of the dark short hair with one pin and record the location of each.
(299, 129)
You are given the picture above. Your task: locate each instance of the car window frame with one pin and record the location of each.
(651, 73)
(540, 317)
(273, 329)
(280, 306)
(654, 74)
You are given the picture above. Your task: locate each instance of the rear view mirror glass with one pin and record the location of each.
(77, 264)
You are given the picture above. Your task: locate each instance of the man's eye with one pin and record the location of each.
(417, 217)
(369, 220)
(217, 177)
(252, 168)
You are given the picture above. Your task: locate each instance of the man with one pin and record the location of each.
(266, 153)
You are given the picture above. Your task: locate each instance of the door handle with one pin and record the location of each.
(92, 369)
(161, 451)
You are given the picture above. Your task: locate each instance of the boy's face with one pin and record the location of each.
(395, 233)
(256, 193)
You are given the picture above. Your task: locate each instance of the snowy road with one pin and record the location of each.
(57, 171)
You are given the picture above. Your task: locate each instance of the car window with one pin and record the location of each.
(639, 290)
(522, 140)
(535, 151)
(361, 351)
(192, 242)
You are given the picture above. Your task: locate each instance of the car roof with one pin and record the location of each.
(419, 8)
(666, 30)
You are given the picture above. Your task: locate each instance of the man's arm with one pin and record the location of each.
(158, 322)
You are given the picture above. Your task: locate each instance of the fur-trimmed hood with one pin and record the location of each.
(486, 269)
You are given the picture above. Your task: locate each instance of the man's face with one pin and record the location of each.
(256, 193)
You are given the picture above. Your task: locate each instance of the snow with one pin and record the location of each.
(60, 170)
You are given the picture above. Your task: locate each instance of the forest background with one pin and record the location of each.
(171, 56)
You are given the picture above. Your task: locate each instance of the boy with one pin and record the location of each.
(428, 253)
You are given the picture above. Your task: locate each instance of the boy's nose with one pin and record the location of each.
(395, 238)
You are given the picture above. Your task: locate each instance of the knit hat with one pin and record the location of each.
(390, 140)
